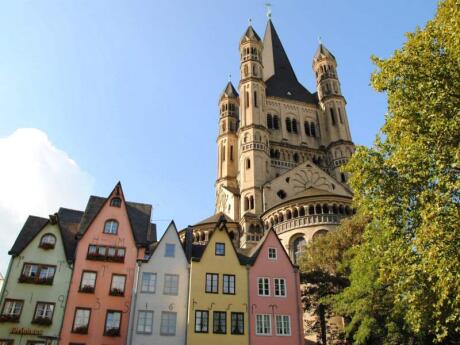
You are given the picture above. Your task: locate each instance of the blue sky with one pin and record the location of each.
(128, 89)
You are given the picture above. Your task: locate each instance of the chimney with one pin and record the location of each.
(188, 242)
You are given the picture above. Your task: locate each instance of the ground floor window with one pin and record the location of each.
(283, 325)
(263, 324)
(168, 323)
(112, 323)
(201, 321)
(237, 326)
(220, 322)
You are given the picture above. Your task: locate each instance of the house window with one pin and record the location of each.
(81, 320)
(170, 250)
(111, 227)
(11, 311)
(263, 325)
(220, 322)
(237, 326)
(201, 321)
(212, 282)
(149, 282)
(280, 287)
(229, 284)
(43, 313)
(263, 286)
(144, 322)
(103, 253)
(288, 125)
(220, 249)
(6, 342)
(171, 284)
(112, 323)
(48, 241)
(115, 202)
(283, 325)
(88, 281)
(272, 253)
(117, 288)
(168, 323)
(37, 274)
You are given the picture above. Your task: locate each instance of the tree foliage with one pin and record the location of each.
(404, 272)
(405, 276)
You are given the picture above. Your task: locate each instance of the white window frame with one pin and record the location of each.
(265, 285)
(170, 291)
(46, 311)
(166, 328)
(144, 325)
(153, 276)
(272, 250)
(277, 286)
(263, 318)
(282, 319)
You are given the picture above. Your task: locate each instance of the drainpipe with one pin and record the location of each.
(132, 316)
(299, 311)
(188, 302)
(248, 308)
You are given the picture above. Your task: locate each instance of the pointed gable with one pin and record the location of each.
(270, 240)
(144, 231)
(169, 236)
(279, 75)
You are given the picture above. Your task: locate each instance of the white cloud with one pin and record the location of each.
(36, 178)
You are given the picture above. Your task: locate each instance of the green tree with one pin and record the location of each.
(405, 276)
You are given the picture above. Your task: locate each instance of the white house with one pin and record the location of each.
(159, 304)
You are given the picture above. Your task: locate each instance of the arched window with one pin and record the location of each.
(295, 214)
(335, 210)
(272, 153)
(269, 121)
(296, 157)
(246, 203)
(298, 248)
(203, 237)
(48, 241)
(306, 126)
(318, 209)
(223, 153)
(276, 122)
(251, 202)
(340, 115)
(254, 70)
(281, 217)
(111, 227)
(115, 202)
(319, 233)
(288, 214)
(246, 99)
(311, 209)
(313, 129)
(255, 99)
(248, 163)
(276, 219)
(231, 153)
(325, 208)
(288, 125)
(333, 120)
(302, 212)
(294, 126)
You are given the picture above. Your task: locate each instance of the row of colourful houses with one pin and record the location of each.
(100, 277)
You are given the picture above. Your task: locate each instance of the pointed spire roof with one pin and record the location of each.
(229, 91)
(250, 34)
(323, 52)
(279, 75)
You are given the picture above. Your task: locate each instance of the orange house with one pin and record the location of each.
(113, 234)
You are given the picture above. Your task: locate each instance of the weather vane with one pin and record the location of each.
(250, 21)
(229, 78)
(268, 6)
(319, 40)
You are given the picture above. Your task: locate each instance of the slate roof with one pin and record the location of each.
(279, 76)
(68, 221)
(215, 218)
(144, 231)
(323, 51)
(31, 228)
(229, 91)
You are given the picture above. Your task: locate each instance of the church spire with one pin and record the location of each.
(229, 91)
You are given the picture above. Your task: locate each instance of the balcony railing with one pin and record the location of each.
(300, 222)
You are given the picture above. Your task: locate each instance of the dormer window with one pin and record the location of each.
(111, 227)
(48, 241)
(115, 202)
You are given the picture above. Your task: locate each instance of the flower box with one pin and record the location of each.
(9, 318)
(42, 321)
(80, 330)
(113, 332)
(87, 289)
(46, 245)
(116, 292)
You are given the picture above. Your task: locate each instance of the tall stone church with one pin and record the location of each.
(281, 147)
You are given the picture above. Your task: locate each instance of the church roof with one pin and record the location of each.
(279, 75)
(229, 91)
(322, 51)
(250, 34)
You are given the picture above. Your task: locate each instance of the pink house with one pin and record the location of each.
(275, 313)
(113, 234)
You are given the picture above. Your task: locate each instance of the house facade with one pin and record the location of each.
(35, 290)
(160, 297)
(218, 297)
(275, 314)
(113, 234)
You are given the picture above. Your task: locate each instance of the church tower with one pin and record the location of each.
(333, 105)
(253, 135)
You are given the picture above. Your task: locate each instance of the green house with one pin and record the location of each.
(35, 290)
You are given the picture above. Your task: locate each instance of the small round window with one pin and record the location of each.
(48, 241)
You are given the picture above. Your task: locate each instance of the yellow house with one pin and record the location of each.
(218, 297)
